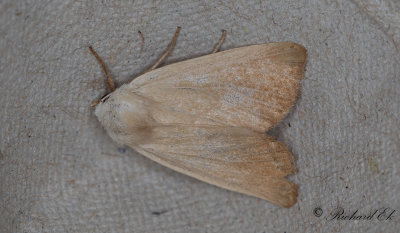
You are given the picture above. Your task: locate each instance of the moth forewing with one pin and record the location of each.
(252, 86)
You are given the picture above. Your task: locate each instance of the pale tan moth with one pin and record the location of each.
(207, 117)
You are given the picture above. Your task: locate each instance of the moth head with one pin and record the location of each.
(125, 115)
(108, 111)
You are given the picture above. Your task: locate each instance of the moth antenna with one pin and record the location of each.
(142, 45)
(167, 52)
(110, 81)
(221, 40)
(95, 103)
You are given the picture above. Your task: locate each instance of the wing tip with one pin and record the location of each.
(291, 197)
(284, 193)
(287, 52)
(297, 51)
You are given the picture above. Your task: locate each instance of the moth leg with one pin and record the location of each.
(110, 81)
(221, 40)
(167, 52)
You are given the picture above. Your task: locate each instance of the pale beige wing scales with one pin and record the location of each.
(252, 86)
(235, 158)
(207, 117)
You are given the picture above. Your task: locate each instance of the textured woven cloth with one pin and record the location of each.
(60, 171)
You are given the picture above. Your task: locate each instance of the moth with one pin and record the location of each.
(207, 117)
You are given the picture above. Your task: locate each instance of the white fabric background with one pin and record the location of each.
(60, 172)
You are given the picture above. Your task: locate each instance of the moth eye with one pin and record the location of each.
(105, 97)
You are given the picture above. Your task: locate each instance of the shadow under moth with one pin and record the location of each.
(207, 117)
